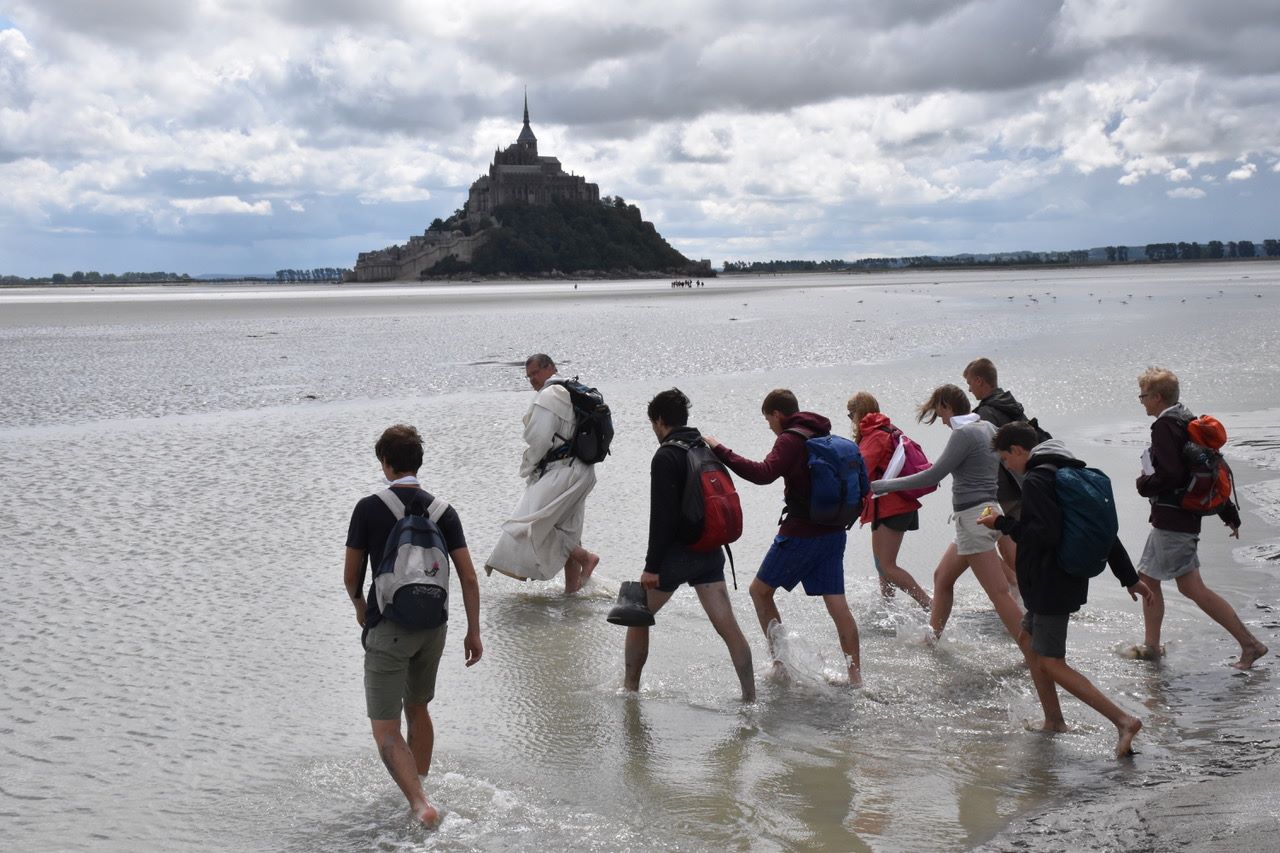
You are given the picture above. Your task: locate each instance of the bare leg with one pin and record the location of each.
(422, 736)
(1045, 690)
(714, 598)
(578, 567)
(1009, 556)
(399, 762)
(636, 647)
(1083, 689)
(1251, 648)
(1152, 619)
(766, 612)
(847, 631)
(885, 544)
(986, 568)
(949, 570)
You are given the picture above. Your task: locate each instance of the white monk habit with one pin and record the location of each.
(547, 523)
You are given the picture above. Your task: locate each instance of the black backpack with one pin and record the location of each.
(593, 425)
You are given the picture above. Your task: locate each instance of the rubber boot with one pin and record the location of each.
(632, 609)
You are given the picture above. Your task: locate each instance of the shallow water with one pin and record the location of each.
(182, 669)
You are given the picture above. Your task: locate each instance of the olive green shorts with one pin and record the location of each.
(400, 668)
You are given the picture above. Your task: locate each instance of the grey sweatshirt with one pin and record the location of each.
(970, 461)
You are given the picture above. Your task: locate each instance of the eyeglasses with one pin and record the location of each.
(1145, 395)
(851, 416)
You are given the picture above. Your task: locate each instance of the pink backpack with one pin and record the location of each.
(908, 459)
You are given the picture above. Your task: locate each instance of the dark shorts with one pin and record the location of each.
(901, 523)
(1048, 633)
(817, 562)
(695, 568)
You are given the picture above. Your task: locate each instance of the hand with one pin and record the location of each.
(472, 646)
(989, 521)
(649, 580)
(1235, 532)
(711, 441)
(360, 606)
(1141, 589)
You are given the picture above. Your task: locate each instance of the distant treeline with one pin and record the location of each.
(568, 237)
(95, 277)
(1154, 252)
(317, 274)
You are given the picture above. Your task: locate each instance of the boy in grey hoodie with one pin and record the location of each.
(1050, 594)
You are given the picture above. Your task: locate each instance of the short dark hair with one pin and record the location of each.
(539, 360)
(780, 400)
(1014, 433)
(951, 395)
(671, 407)
(984, 369)
(400, 446)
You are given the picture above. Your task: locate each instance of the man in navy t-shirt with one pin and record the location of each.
(400, 663)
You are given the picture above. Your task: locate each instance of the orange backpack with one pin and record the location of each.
(1210, 485)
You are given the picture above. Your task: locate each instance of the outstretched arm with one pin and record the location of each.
(951, 457)
(788, 452)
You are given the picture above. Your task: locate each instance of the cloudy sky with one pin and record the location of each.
(209, 136)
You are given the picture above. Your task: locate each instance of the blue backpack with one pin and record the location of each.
(1089, 523)
(838, 479)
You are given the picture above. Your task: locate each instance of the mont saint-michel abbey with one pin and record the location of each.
(518, 173)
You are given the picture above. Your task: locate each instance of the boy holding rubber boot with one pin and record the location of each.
(1065, 534)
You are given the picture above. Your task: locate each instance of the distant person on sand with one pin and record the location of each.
(544, 534)
(1170, 553)
(1051, 594)
(972, 465)
(890, 516)
(401, 659)
(803, 552)
(669, 562)
(998, 407)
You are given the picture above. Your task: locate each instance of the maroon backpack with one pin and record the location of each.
(710, 505)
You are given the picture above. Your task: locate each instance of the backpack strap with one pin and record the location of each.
(393, 502)
(437, 508)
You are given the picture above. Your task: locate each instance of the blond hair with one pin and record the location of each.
(1157, 380)
(860, 405)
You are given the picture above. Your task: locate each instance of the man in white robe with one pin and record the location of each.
(544, 533)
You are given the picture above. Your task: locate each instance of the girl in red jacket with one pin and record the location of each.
(893, 514)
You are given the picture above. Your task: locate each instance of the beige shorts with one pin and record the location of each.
(972, 537)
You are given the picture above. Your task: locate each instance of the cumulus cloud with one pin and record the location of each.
(746, 127)
(1244, 173)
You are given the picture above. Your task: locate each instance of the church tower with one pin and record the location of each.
(526, 140)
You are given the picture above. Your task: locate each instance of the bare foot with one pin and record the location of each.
(1055, 727)
(855, 676)
(1130, 727)
(779, 672)
(1251, 654)
(427, 815)
(589, 566)
(1141, 652)
(925, 601)
(886, 589)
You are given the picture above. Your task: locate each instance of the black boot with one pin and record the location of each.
(632, 609)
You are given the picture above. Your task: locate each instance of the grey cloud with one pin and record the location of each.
(118, 21)
(533, 47)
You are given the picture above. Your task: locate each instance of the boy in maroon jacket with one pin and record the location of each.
(1170, 553)
(803, 552)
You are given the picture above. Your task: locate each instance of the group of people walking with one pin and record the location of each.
(1006, 511)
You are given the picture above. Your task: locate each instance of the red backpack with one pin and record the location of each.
(710, 503)
(1210, 485)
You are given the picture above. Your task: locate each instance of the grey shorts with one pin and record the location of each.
(400, 668)
(972, 537)
(1169, 555)
(1048, 633)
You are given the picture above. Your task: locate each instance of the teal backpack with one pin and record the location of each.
(1089, 522)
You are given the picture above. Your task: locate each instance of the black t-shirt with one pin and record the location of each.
(371, 523)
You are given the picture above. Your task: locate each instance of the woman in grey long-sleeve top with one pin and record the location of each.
(973, 465)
